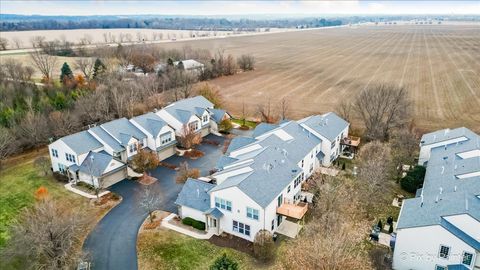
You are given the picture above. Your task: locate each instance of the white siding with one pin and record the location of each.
(418, 248)
(192, 213)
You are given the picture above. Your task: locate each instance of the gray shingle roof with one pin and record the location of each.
(445, 134)
(263, 128)
(109, 140)
(194, 194)
(97, 165)
(328, 125)
(214, 212)
(239, 142)
(122, 130)
(185, 108)
(150, 122)
(458, 196)
(217, 115)
(274, 165)
(81, 142)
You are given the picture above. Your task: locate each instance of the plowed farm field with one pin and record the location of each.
(317, 69)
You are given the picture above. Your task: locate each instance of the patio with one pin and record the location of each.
(289, 228)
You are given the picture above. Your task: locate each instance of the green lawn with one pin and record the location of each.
(18, 184)
(165, 249)
(250, 124)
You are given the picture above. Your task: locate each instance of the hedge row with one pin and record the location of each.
(199, 225)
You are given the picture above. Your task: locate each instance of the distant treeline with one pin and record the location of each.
(20, 23)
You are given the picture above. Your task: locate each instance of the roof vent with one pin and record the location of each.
(455, 189)
(443, 169)
(436, 199)
(441, 190)
(198, 192)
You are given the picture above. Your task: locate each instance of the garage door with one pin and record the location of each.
(114, 178)
(166, 153)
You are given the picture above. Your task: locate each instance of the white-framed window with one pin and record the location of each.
(55, 153)
(467, 258)
(193, 125)
(444, 252)
(311, 167)
(439, 267)
(241, 228)
(62, 168)
(166, 138)
(273, 224)
(302, 163)
(223, 204)
(288, 189)
(297, 181)
(333, 144)
(70, 157)
(252, 213)
(205, 118)
(141, 143)
(132, 148)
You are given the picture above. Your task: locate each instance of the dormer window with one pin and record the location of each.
(205, 118)
(132, 148)
(193, 125)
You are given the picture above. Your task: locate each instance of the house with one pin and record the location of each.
(332, 129)
(258, 181)
(440, 228)
(114, 143)
(217, 116)
(190, 65)
(160, 136)
(193, 113)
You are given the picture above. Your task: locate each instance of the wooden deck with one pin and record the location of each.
(351, 141)
(293, 210)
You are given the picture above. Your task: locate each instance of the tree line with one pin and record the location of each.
(21, 23)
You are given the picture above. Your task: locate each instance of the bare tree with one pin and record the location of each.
(62, 123)
(3, 44)
(86, 66)
(266, 112)
(404, 144)
(184, 172)
(47, 236)
(284, 108)
(246, 62)
(150, 200)
(37, 41)
(18, 42)
(344, 109)
(43, 163)
(263, 245)
(144, 160)
(382, 108)
(33, 129)
(189, 137)
(6, 143)
(375, 168)
(143, 60)
(45, 63)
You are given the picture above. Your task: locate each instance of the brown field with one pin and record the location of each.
(317, 69)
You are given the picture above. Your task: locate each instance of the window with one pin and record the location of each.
(302, 164)
(54, 153)
(69, 157)
(444, 251)
(333, 144)
(193, 125)
(241, 228)
(467, 258)
(311, 167)
(297, 181)
(205, 118)
(273, 224)
(132, 148)
(252, 213)
(62, 168)
(439, 267)
(288, 189)
(141, 143)
(166, 138)
(223, 204)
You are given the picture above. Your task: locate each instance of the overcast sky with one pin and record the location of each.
(97, 7)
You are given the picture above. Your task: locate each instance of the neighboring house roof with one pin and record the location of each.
(224, 161)
(96, 164)
(263, 128)
(443, 193)
(182, 116)
(239, 142)
(183, 109)
(150, 122)
(122, 130)
(81, 142)
(194, 194)
(107, 139)
(445, 134)
(328, 125)
(189, 64)
(217, 115)
(273, 166)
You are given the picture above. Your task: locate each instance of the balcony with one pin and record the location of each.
(351, 141)
(296, 211)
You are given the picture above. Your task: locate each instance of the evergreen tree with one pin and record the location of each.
(170, 62)
(66, 73)
(98, 68)
(224, 263)
(180, 65)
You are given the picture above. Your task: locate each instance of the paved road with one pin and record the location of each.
(112, 243)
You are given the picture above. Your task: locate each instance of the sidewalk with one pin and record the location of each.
(168, 225)
(84, 194)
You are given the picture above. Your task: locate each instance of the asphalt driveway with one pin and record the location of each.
(112, 243)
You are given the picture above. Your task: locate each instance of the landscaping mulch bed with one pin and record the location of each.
(168, 165)
(230, 241)
(110, 197)
(211, 142)
(147, 180)
(193, 154)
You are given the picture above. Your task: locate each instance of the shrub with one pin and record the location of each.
(224, 263)
(408, 184)
(225, 125)
(60, 177)
(263, 246)
(199, 225)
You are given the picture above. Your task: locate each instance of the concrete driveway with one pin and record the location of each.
(112, 243)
